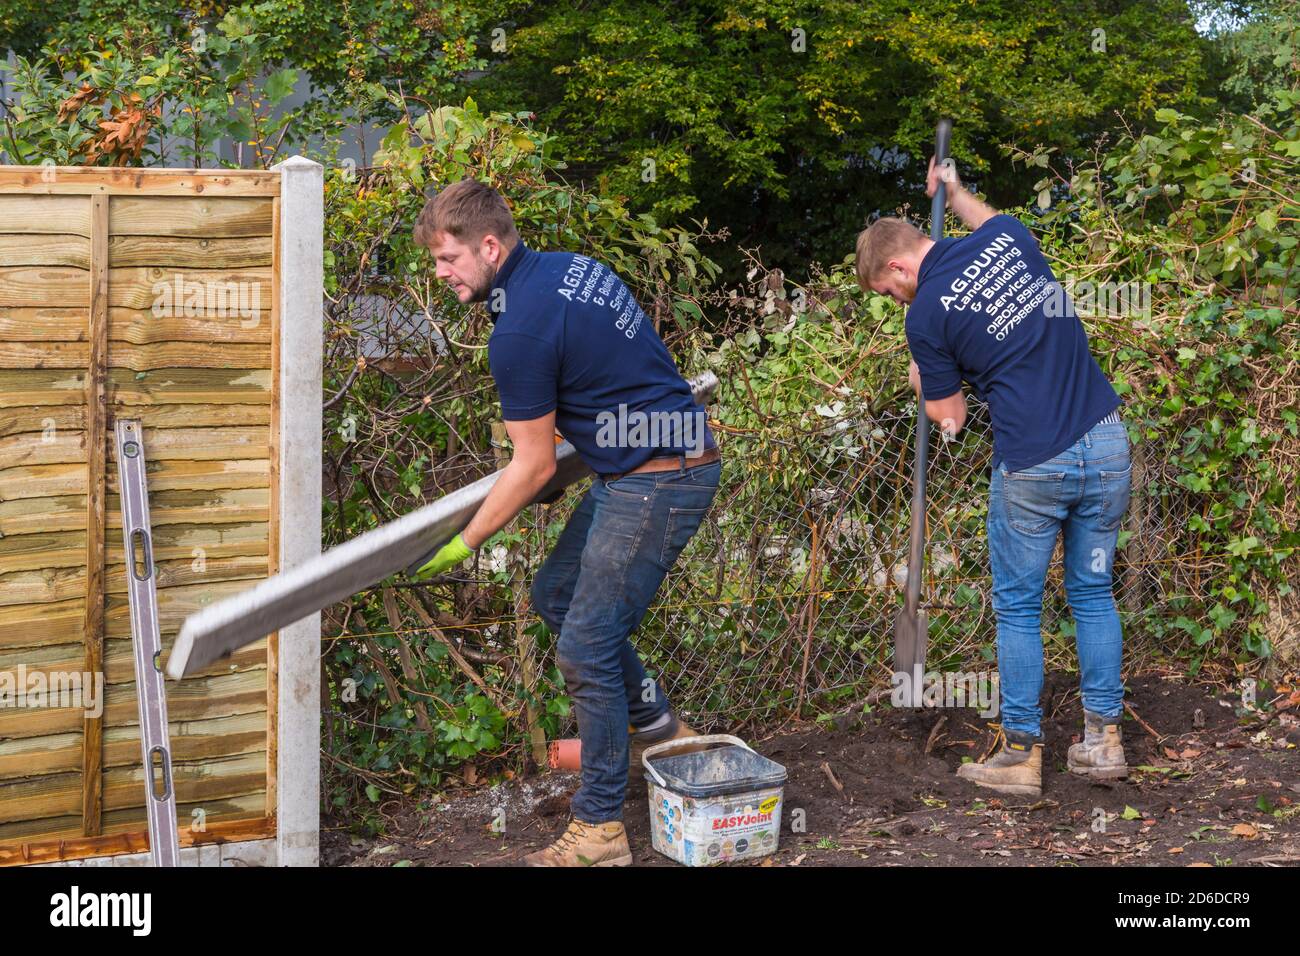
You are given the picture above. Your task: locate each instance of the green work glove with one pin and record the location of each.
(449, 555)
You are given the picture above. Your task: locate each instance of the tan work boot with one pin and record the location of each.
(1101, 755)
(586, 844)
(1017, 768)
(637, 744)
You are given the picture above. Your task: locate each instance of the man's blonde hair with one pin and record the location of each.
(468, 211)
(886, 238)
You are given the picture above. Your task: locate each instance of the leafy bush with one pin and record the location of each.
(143, 97)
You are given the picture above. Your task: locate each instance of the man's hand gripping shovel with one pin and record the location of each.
(911, 635)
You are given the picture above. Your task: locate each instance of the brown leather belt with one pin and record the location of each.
(669, 463)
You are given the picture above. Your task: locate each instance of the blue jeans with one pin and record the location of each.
(593, 590)
(1084, 491)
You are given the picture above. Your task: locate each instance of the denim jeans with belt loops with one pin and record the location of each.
(593, 590)
(1084, 493)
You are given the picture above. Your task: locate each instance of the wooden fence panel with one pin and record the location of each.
(147, 294)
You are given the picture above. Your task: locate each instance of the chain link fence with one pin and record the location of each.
(781, 607)
(784, 602)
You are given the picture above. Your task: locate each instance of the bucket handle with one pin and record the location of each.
(676, 742)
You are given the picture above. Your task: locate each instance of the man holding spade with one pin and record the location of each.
(985, 309)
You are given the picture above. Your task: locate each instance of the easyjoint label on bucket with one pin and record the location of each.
(717, 829)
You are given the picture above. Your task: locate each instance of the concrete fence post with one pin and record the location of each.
(301, 300)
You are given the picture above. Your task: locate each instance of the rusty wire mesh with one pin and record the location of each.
(788, 597)
(784, 602)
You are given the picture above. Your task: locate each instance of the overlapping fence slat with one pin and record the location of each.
(144, 294)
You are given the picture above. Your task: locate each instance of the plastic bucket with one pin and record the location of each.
(713, 805)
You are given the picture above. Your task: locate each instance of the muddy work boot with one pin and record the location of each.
(586, 844)
(1017, 768)
(638, 742)
(1101, 755)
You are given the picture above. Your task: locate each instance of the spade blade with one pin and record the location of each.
(911, 639)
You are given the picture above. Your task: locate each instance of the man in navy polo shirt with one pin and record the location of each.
(571, 350)
(986, 309)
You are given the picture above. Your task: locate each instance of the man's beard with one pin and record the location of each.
(482, 286)
(909, 291)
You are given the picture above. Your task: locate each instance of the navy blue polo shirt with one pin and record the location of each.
(988, 310)
(569, 337)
